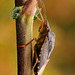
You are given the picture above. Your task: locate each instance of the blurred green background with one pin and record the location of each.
(61, 15)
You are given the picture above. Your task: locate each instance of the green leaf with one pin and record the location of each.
(16, 12)
(36, 13)
(16, 16)
(35, 17)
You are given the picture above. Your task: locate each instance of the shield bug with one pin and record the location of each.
(43, 47)
(44, 44)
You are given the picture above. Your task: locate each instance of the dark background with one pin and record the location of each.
(61, 16)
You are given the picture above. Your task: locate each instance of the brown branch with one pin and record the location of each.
(24, 35)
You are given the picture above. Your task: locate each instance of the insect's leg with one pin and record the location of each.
(40, 13)
(40, 26)
(27, 43)
(36, 58)
(36, 7)
(41, 17)
(44, 10)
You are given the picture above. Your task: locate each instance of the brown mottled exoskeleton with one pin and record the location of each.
(43, 47)
(44, 44)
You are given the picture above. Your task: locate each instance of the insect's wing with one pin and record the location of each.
(51, 40)
(44, 55)
(51, 37)
(46, 51)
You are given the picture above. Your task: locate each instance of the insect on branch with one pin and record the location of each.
(24, 13)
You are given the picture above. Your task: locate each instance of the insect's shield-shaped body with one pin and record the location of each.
(51, 40)
(44, 47)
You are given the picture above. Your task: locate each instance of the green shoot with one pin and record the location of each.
(17, 12)
(36, 13)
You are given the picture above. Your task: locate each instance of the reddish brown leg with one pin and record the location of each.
(36, 57)
(40, 13)
(40, 26)
(41, 20)
(27, 43)
(34, 51)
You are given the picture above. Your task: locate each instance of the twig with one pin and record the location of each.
(24, 28)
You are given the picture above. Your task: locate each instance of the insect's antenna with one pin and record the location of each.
(44, 10)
